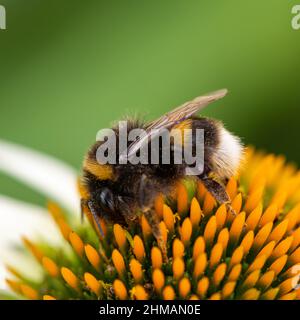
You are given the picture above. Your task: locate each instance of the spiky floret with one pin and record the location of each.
(212, 254)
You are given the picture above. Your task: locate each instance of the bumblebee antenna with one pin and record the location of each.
(96, 218)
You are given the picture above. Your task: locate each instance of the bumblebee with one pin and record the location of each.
(119, 192)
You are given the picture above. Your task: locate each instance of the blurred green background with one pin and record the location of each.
(69, 68)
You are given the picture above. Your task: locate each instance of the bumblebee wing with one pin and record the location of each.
(186, 110)
(175, 116)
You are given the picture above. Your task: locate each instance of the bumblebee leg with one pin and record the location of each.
(153, 221)
(96, 217)
(145, 198)
(218, 192)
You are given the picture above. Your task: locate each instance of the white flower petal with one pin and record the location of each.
(48, 175)
(18, 219)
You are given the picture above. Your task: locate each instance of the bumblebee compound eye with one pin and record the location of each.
(106, 199)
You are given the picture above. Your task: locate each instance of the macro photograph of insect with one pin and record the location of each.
(148, 151)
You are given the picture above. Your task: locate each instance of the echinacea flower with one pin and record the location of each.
(212, 253)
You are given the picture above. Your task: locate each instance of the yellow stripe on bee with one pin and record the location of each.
(179, 129)
(101, 171)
